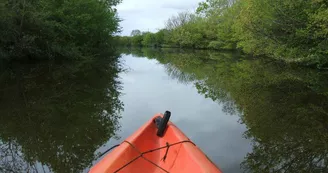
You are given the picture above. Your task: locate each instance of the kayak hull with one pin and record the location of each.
(145, 152)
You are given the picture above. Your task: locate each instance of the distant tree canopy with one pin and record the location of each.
(48, 29)
(179, 20)
(290, 30)
(135, 32)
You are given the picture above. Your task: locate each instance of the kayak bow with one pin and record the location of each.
(157, 147)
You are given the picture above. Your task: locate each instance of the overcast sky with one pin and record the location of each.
(150, 14)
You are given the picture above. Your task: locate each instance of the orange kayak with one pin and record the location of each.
(157, 147)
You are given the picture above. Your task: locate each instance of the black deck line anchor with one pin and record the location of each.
(161, 123)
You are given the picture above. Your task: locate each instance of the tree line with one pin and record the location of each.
(289, 30)
(51, 29)
(58, 72)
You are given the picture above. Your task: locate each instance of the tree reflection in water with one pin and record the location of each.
(284, 107)
(56, 115)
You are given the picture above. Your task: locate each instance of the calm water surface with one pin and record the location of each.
(247, 115)
(149, 88)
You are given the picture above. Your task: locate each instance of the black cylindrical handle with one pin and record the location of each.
(163, 123)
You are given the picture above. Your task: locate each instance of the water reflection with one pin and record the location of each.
(54, 116)
(284, 107)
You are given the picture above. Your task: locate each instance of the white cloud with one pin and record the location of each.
(150, 15)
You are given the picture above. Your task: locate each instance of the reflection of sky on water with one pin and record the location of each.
(148, 89)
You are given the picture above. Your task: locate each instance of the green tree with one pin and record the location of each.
(289, 30)
(124, 41)
(46, 29)
(149, 40)
(294, 31)
(135, 32)
(187, 31)
(161, 37)
(137, 40)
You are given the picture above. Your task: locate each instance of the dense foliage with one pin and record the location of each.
(55, 114)
(291, 30)
(49, 29)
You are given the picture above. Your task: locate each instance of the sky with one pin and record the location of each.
(150, 15)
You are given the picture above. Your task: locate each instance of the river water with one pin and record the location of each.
(246, 114)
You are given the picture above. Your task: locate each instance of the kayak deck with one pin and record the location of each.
(146, 152)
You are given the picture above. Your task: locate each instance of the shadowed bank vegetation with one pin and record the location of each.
(59, 93)
(290, 30)
(54, 29)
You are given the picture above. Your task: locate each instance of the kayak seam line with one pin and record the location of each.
(176, 157)
(108, 150)
(127, 163)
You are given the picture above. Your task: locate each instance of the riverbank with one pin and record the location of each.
(47, 30)
(292, 31)
(288, 62)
